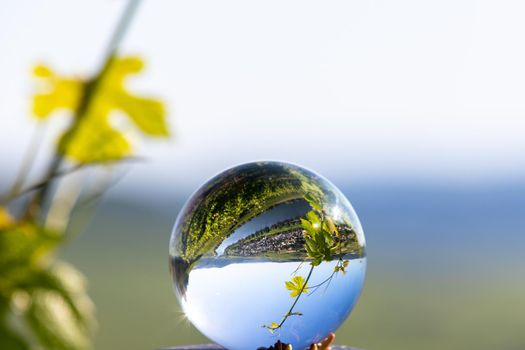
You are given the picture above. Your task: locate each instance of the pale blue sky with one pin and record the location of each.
(356, 90)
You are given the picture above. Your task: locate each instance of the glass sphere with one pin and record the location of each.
(267, 252)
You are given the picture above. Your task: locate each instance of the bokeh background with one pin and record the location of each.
(414, 109)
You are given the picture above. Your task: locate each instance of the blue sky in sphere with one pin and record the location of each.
(359, 91)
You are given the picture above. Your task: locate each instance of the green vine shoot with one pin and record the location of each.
(44, 304)
(322, 242)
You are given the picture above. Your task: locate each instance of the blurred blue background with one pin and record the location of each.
(414, 109)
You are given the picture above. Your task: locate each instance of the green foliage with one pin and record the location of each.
(318, 236)
(10, 340)
(5, 218)
(221, 209)
(44, 302)
(313, 201)
(323, 240)
(256, 244)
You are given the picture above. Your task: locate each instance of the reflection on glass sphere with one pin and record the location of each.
(267, 251)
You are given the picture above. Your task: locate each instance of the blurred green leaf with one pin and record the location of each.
(24, 245)
(50, 297)
(9, 340)
(55, 92)
(54, 323)
(5, 218)
(147, 114)
(94, 141)
(93, 138)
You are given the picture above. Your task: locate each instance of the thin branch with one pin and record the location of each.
(69, 171)
(98, 194)
(298, 267)
(94, 199)
(90, 91)
(326, 257)
(26, 164)
(121, 29)
(64, 199)
(290, 311)
(314, 288)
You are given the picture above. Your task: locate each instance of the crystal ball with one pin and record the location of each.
(267, 252)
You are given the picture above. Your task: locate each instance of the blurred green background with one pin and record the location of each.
(445, 270)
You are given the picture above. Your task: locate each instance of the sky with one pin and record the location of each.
(356, 90)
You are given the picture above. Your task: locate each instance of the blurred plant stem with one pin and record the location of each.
(90, 90)
(43, 300)
(26, 165)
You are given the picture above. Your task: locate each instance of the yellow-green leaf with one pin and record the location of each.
(55, 92)
(5, 218)
(313, 218)
(147, 114)
(307, 225)
(93, 138)
(297, 286)
(331, 226)
(94, 142)
(42, 71)
(314, 203)
(25, 243)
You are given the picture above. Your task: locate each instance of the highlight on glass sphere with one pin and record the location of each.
(267, 252)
